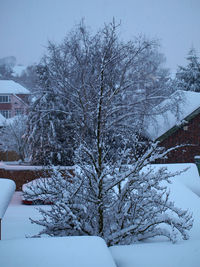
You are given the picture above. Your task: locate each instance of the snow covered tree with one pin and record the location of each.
(6, 67)
(188, 78)
(12, 136)
(128, 204)
(28, 78)
(111, 194)
(49, 134)
(74, 75)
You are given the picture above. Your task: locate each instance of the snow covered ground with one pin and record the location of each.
(185, 191)
(158, 252)
(18, 251)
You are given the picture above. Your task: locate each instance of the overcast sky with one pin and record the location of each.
(26, 25)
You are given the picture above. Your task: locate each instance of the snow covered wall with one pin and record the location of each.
(21, 174)
(7, 188)
(70, 251)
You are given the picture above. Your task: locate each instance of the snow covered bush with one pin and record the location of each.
(42, 190)
(111, 195)
(123, 205)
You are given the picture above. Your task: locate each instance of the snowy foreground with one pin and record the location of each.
(91, 251)
(56, 252)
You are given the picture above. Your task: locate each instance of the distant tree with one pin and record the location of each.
(188, 78)
(6, 67)
(5, 72)
(12, 136)
(8, 61)
(111, 195)
(29, 78)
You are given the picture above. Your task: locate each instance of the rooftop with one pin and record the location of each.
(179, 106)
(11, 87)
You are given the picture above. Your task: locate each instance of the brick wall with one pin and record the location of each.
(185, 135)
(9, 156)
(15, 104)
(5, 106)
(24, 176)
(24, 97)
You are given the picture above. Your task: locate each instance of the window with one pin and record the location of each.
(4, 99)
(6, 113)
(19, 111)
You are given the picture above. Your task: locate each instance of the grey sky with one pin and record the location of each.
(26, 25)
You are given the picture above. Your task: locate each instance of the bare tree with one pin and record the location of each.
(12, 136)
(111, 196)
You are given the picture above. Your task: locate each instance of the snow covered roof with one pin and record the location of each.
(18, 70)
(185, 103)
(7, 188)
(11, 87)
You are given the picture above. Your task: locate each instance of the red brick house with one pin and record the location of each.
(172, 130)
(13, 99)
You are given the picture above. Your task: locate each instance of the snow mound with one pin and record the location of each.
(7, 188)
(56, 251)
(185, 254)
